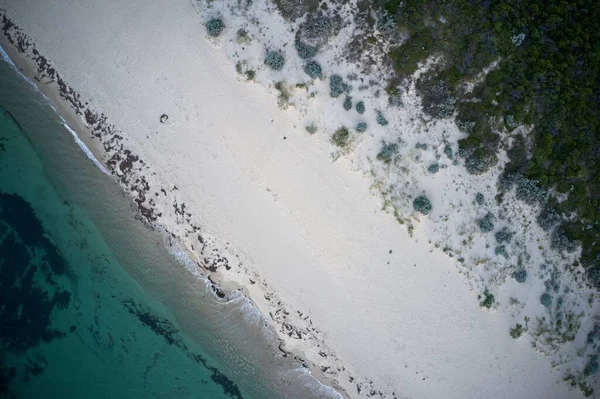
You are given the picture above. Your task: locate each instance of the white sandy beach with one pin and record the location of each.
(388, 309)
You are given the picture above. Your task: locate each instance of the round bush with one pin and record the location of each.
(348, 103)
(215, 27)
(433, 168)
(275, 60)
(421, 146)
(313, 69)
(360, 107)
(520, 276)
(546, 300)
(361, 127)
(422, 204)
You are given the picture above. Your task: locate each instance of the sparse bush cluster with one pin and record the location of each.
(421, 146)
(215, 27)
(275, 60)
(422, 205)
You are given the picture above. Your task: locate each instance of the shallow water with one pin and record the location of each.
(92, 302)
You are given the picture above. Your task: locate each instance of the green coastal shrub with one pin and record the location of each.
(361, 127)
(348, 103)
(546, 300)
(422, 204)
(479, 198)
(486, 224)
(275, 60)
(520, 275)
(381, 119)
(488, 300)
(337, 87)
(340, 137)
(313, 69)
(360, 107)
(433, 168)
(387, 152)
(215, 27)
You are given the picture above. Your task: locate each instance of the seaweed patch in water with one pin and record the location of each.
(166, 329)
(28, 297)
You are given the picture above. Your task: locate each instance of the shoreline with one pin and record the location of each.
(127, 171)
(71, 117)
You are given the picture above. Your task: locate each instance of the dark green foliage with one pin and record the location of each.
(275, 60)
(337, 86)
(486, 224)
(488, 300)
(387, 152)
(546, 299)
(433, 168)
(215, 27)
(313, 69)
(547, 78)
(340, 137)
(520, 275)
(422, 204)
(348, 103)
(421, 146)
(361, 127)
(360, 107)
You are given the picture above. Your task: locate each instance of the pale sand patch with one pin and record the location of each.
(309, 228)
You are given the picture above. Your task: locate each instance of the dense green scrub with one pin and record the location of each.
(547, 77)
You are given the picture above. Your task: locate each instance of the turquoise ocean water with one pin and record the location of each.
(92, 303)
